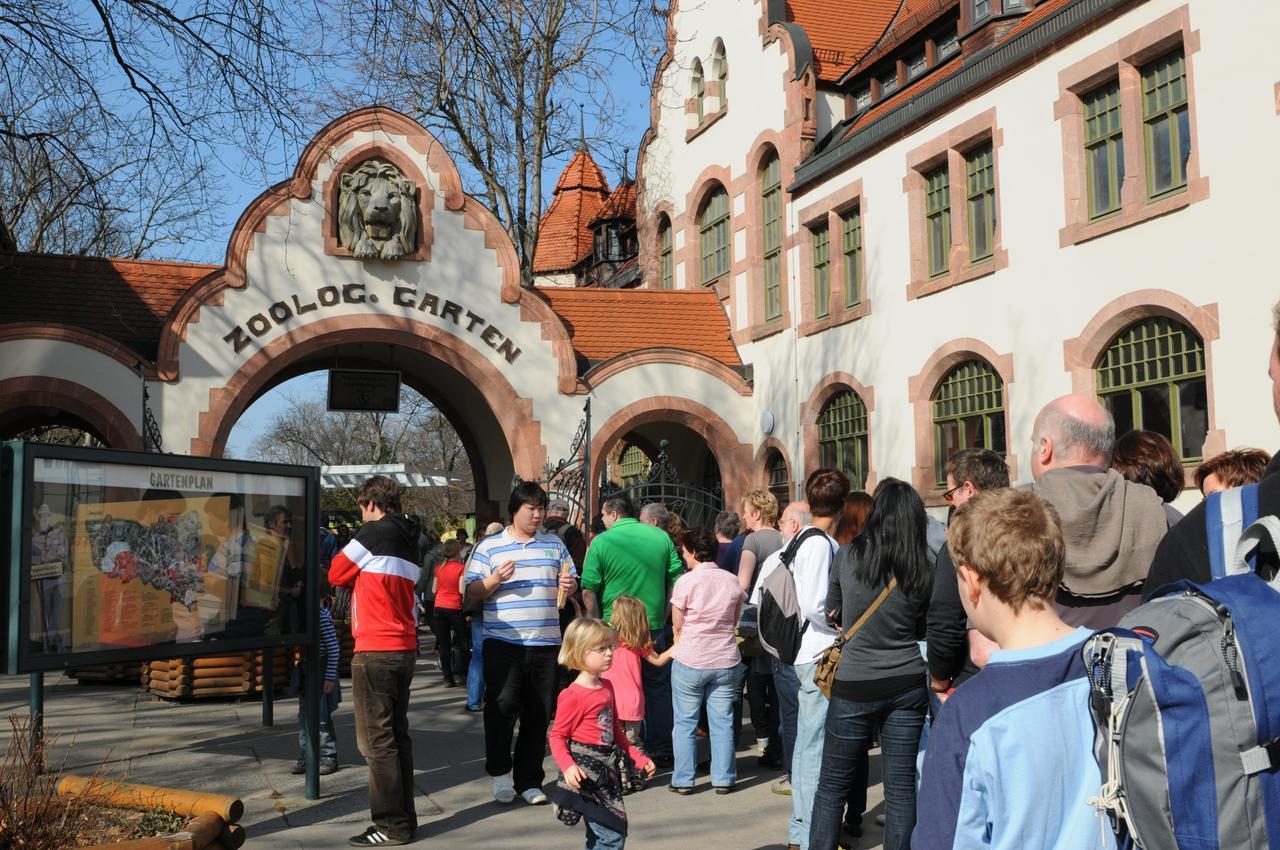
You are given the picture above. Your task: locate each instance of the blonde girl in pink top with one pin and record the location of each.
(707, 668)
(630, 620)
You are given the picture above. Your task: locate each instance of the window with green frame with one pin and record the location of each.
(771, 215)
(937, 220)
(968, 413)
(666, 256)
(852, 225)
(1103, 149)
(633, 465)
(821, 272)
(779, 477)
(1152, 377)
(697, 88)
(1167, 123)
(842, 437)
(713, 226)
(980, 173)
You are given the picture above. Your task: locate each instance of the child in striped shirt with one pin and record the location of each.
(331, 695)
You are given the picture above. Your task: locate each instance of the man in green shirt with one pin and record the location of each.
(633, 559)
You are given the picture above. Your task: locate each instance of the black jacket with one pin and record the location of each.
(947, 632)
(1184, 552)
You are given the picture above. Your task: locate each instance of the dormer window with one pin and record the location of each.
(862, 99)
(948, 46)
(916, 65)
(889, 84)
(981, 10)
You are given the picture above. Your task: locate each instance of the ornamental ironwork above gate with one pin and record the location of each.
(696, 506)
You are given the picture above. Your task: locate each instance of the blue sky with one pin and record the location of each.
(631, 97)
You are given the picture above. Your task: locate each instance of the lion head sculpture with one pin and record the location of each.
(377, 213)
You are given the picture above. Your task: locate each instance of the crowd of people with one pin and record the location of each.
(844, 622)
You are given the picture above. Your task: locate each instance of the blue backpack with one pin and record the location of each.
(1185, 697)
(1226, 515)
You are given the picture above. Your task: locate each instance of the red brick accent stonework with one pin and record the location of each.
(513, 412)
(1080, 355)
(733, 456)
(32, 400)
(827, 388)
(829, 211)
(920, 389)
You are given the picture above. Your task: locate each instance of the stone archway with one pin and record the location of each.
(30, 400)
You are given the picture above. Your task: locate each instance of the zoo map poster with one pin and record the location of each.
(153, 571)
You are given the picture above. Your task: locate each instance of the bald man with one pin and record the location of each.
(1111, 526)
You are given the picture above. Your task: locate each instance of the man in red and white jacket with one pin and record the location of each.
(380, 564)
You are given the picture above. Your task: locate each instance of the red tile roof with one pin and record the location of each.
(564, 234)
(621, 204)
(125, 300)
(839, 34)
(913, 17)
(607, 322)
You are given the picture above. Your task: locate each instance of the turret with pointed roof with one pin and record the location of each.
(564, 234)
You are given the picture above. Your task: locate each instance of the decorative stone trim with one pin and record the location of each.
(535, 308)
(732, 455)
(708, 119)
(1123, 61)
(827, 388)
(125, 356)
(920, 389)
(1080, 355)
(949, 149)
(20, 397)
(605, 370)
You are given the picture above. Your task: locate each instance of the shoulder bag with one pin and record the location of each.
(824, 675)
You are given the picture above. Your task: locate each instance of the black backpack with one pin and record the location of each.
(781, 623)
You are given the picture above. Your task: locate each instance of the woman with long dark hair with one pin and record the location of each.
(880, 680)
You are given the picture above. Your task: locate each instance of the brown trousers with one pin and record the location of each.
(380, 690)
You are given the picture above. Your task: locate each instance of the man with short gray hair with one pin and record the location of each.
(655, 514)
(1111, 526)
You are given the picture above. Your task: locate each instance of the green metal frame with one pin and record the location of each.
(1103, 130)
(1164, 98)
(973, 388)
(713, 227)
(852, 226)
(779, 478)
(980, 179)
(1153, 352)
(937, 205)
(633, 465)
(843, 441)
(699, 88)
(666, 256)
(771, 216)
(821, 272)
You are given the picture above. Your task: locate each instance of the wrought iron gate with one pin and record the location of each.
(695, 505)
(567, 479)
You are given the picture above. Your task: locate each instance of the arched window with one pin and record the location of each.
(968, 413)
(713, 226)
(1152, 377)
(696, 90)
(842, 437)
(779, 477)
(719, 71)
(633, 465)
(771, 216)
(666, 255)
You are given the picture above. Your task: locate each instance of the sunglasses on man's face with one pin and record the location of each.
(950, 495)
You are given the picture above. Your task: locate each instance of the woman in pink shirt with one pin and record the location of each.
(705, 667)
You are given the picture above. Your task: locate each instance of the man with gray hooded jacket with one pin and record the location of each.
(1111, 526)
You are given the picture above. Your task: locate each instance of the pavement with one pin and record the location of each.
(222, 747)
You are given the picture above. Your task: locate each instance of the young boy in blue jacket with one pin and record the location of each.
(1010, 761)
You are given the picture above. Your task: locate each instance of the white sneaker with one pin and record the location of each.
(534, 796)
(504, 790)
(762, 744)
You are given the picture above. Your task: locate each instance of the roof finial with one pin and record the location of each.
(582, 130)
(626, 165)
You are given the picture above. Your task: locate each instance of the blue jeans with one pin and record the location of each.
(656, 682)
(328, 740)
(602, 838)
(787, 689)
(806, 760)
(691, 687)
(850, 726)
(475, 672)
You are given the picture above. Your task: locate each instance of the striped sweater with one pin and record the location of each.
(380, 565)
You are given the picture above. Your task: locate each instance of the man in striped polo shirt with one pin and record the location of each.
(518, 574)
(380, 564)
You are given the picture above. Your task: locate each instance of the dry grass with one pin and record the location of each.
(33, 816)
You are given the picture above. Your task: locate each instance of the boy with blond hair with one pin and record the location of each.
(1010, 761)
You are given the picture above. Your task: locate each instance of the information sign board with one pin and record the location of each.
(370, 390)
(121, 556)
